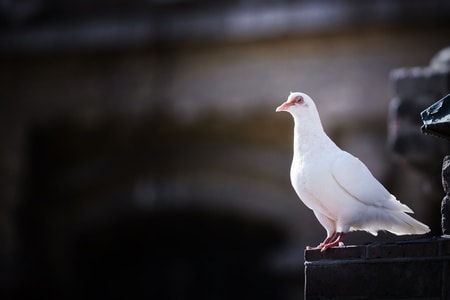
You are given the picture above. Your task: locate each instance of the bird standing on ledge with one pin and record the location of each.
(338, 187)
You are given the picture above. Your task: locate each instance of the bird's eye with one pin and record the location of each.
(299, 99)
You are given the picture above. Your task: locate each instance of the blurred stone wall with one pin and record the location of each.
(415, 89)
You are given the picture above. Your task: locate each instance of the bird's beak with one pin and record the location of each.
(284, 107)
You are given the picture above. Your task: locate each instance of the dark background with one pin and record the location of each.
(141, 156)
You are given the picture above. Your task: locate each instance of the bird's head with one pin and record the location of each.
(296, 103)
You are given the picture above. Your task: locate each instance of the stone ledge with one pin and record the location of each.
(413, 269)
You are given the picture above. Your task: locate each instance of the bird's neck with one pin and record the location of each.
(310, 138)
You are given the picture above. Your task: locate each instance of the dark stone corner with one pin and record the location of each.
(412, 269)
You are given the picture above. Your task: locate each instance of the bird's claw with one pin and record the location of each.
(328, 244)
(331, 245)
(320, 246)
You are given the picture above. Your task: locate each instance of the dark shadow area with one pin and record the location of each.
(87, 237)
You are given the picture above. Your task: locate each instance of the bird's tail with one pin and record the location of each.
(401, 223)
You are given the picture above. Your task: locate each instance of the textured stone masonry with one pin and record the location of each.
(414, 89)
(445, 206)
(414, 269)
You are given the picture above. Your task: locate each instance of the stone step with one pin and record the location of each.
(413, 269)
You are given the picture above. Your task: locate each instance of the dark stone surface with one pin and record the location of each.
(414, 89)
(409, 83)
(446, 174)
(347, 252)
(415, 269)
(445, 211)
(411, 280)
(441, 60)
(445, 205)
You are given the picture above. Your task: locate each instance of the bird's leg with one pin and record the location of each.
(336, 242)
(328, 239)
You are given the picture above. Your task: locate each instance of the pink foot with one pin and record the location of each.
(314, 248)
(321, 245)
(337, 242)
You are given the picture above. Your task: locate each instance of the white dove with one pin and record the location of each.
(338, 187)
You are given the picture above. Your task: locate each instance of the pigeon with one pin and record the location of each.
(337, 186)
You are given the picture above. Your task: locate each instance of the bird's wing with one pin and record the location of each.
(354, 177)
